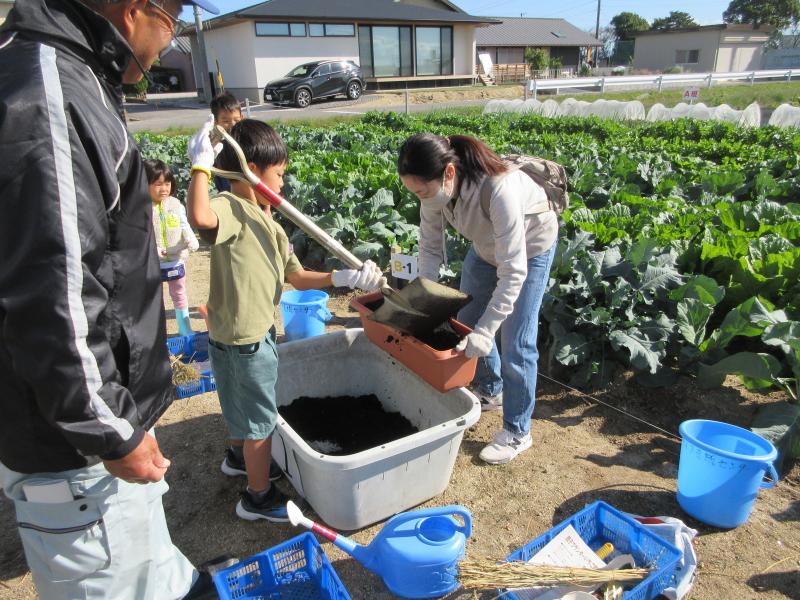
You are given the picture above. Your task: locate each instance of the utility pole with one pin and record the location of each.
(596, 32)
(202, 58)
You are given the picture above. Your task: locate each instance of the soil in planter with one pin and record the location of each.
(344, 425)
(443, 337)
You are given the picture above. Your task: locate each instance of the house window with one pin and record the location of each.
(331, 30)
(434, 50)
(281, 29)
(687, 57)
(385, 51)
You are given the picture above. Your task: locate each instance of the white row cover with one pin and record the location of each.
(749, 117)
(785, 115)
(607, 109)
(634, 110)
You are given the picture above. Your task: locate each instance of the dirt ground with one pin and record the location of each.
(445, 95)
(582, 452)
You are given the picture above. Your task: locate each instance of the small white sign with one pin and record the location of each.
(691, 94)
(404, 266)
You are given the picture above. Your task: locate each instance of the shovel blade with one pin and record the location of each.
(420, 307)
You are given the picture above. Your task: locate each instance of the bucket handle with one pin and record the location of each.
(773, 474)
(323, 314)
(436, 511)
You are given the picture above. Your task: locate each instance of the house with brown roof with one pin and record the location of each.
(398, 44)
(507, 41)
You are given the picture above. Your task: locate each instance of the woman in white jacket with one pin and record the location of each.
(506, 270)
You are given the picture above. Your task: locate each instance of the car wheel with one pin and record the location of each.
(302, 98)
(354, 90)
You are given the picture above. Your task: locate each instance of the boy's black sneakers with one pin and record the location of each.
(272, 507)
(233, 466)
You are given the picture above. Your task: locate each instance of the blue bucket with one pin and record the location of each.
(721, 469)
(304, 313)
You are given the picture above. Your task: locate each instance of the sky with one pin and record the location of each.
(581, 13)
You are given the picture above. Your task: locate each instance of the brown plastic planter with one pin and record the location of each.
(442, 369)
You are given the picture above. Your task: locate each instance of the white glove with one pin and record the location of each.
(476, 344)
(201, 152)
(369, 278)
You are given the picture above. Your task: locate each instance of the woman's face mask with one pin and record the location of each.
(443, 196)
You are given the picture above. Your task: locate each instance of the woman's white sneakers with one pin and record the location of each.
(489, 403)
(505, 446)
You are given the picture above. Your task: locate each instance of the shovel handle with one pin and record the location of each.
(286, 208)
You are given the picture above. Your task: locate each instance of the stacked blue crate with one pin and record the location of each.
(193, 349)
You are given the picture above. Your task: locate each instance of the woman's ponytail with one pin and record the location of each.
(476, 158)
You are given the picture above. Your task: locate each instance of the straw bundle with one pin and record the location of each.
(483, 574)
(183, 374)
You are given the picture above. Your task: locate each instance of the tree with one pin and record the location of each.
(777, 13)
(537, 58)
(677, 19)
(608, 39)
(627, 24)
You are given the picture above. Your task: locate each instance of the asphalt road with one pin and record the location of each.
(160, 116)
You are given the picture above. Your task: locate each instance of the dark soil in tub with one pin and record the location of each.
(344, 425)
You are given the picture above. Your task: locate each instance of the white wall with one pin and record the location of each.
(233, 48)
(741, 51)
(657, 52)
(276, 56)
(463, 49)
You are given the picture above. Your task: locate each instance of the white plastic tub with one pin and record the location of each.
(350, 492)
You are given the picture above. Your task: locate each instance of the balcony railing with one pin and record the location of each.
(521, 72)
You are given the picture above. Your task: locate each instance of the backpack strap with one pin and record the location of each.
(490, 184)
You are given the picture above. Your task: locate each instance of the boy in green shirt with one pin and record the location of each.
(250, 259)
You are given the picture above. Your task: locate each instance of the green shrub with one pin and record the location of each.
(537, 58)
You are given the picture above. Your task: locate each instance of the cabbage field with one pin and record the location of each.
(679, 253)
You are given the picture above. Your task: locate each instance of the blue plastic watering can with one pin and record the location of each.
(416, 553)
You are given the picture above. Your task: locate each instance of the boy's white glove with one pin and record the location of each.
(476, 344)
(201, 152)
(369, 278)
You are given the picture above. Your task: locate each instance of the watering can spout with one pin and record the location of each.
(366, 555)
(415, 553)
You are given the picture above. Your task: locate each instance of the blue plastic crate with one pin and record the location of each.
(190, 348)
(197, 346)
(177, 347)
(599, 523)
(294, 570)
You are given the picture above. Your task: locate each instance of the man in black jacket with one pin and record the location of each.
(84, 371)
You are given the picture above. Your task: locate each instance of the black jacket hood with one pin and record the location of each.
(73, 27)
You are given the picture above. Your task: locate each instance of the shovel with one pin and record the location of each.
(416, 309)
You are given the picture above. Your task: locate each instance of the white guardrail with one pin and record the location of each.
(535, 85)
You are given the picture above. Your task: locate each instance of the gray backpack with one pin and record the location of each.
(550, 175)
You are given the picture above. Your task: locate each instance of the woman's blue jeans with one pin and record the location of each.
(513, 373)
